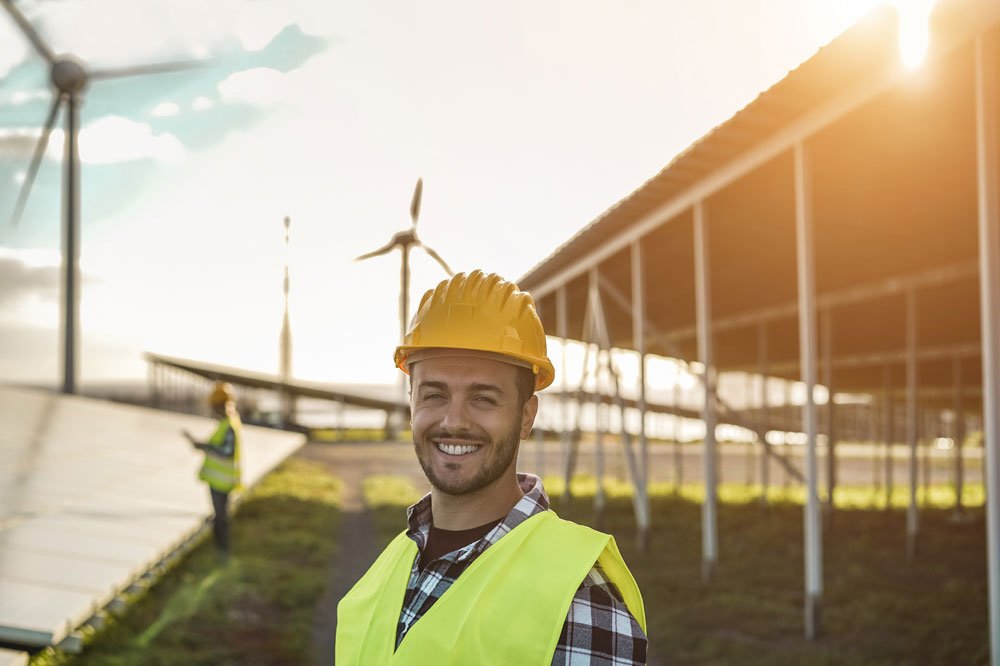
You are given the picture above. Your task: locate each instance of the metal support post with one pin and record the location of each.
(958, 434)
(912, 516)
(703, 307)
(888, 423)
(831, 417)
(639, 341)
(603, 335)
(988, 172)
(564, 430)
(764, 411)
(678, 455)
(599, 428)
(807, 351)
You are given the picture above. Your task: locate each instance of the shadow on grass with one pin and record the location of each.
(256, 608)
(878, 608)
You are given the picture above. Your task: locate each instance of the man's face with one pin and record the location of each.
(467, 421)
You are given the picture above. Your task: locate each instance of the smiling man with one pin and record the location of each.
(485, 572)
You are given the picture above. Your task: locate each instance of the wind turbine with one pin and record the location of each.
(70, 78)
(404, 240)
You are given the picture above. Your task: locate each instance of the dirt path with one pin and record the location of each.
(356, 540)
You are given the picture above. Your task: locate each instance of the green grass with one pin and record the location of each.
(327, 435)
(257, 608)
(879, 609)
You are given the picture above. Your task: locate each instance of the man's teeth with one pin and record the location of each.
(456, 450)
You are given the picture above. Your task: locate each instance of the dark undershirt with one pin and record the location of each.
(441, 542)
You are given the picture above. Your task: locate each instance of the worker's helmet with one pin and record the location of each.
(222, 393)
(482, 313)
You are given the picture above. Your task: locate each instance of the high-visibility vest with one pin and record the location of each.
(508, 607)
(222, 473)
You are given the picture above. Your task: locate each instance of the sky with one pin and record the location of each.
(525, 120)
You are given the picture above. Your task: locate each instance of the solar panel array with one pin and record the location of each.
(92, 495)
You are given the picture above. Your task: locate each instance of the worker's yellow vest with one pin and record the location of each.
(220, 472)
(508, 607)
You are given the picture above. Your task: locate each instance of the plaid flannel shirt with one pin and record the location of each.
(598, 628)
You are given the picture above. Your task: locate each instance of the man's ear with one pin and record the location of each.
(528, 414)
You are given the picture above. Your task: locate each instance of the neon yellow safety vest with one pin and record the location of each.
(508, 607)
(221, 472)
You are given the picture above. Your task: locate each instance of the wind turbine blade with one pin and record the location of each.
(385, 249)
(160, 68)
(29, 32)
(36, 161)
(437, 257)
(418, 193)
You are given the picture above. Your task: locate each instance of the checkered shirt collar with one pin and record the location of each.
(419, 517)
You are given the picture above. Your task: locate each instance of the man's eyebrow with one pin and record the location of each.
(443, 386)
(485, 387)
(432, 384)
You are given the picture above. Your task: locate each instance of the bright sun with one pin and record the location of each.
(914, 33)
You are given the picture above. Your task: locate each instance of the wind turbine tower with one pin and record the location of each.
(404, 240)
(70, 79)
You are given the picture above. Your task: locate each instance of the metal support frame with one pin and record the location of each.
(807, 351)
(639, 343)
(703, 307)
(826, 323)
(678, 454)
(600, 328)
(564, 434)
(886, 288)
(958, 434)
(912, 426)
(889, 425)
(764, 411)
(988, 173)
(600, 500)
(732, 415)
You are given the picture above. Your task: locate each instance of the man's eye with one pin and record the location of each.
(486, 399)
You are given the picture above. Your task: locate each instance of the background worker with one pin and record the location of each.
(221, 468)
(485, 573)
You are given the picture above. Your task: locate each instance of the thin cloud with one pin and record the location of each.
(114, 139)
(201, 103)
(20, 280)
(165, 110)
(108, 140)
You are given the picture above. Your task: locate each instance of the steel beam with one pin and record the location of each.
(888, 422)
(762, 371)
(639, 342)
(912, 435)
(826, 323)
(807, 350)
(859, 294)
(603, 335)
(561, 331)
(988, 177)
(938, 353)
(703, 307)
(958, 434)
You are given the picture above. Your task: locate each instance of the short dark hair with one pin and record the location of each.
(525, 382)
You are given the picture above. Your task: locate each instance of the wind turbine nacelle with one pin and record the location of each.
(69, 75)
(408, 237)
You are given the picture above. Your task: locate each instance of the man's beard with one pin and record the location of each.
(500, 455)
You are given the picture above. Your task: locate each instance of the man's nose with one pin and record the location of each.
(456, 417)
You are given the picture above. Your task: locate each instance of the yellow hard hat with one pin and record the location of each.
(483, 313)
(222, 393)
